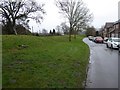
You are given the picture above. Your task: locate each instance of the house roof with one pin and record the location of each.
(109, 24)
(117, 22)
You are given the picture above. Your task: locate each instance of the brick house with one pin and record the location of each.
(111, 29)
(107, 28)
(114, 31)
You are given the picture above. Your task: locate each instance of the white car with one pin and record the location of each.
(119, 48)
(113, 42)
(90, 37)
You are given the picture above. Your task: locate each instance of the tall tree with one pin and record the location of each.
(50, 32)
(19, 12)
(76, 12)
(90, 31)
(54, 32)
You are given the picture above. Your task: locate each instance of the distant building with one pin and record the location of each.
(107, 27)
(114, 31)
(111, 29)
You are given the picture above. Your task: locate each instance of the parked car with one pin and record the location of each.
(113, 42)
(90, 37)
(94, 39)
(98, 40)
(119, 48)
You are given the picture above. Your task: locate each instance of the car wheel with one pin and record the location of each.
(119, 48)
(111, 46)
(107, 45)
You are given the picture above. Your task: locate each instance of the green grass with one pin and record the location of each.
(47, 62)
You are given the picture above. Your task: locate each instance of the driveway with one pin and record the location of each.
(103, 67)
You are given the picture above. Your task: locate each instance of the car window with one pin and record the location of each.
(116, 40)
(109, 39)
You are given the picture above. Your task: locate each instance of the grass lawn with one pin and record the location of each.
(47, 62)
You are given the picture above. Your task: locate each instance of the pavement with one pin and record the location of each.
(103, 66)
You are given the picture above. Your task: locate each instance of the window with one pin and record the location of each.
(117, 26)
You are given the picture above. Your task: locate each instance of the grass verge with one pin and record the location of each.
(47, 62)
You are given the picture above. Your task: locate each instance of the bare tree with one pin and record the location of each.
(76, 12)
(65, 28)
(90, 31)
(19, 11)
(44, 31)
(58, 28)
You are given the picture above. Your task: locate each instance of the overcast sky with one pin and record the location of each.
(103, 11)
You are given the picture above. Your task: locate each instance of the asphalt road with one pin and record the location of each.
(103, 67)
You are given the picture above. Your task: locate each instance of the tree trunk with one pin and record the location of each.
(74, 36)
(75, 32)
(70, 36)
(9, 28)
(70, 32)
(15, 30)
(14, 26)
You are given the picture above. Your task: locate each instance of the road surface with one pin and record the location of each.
(103, 67)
